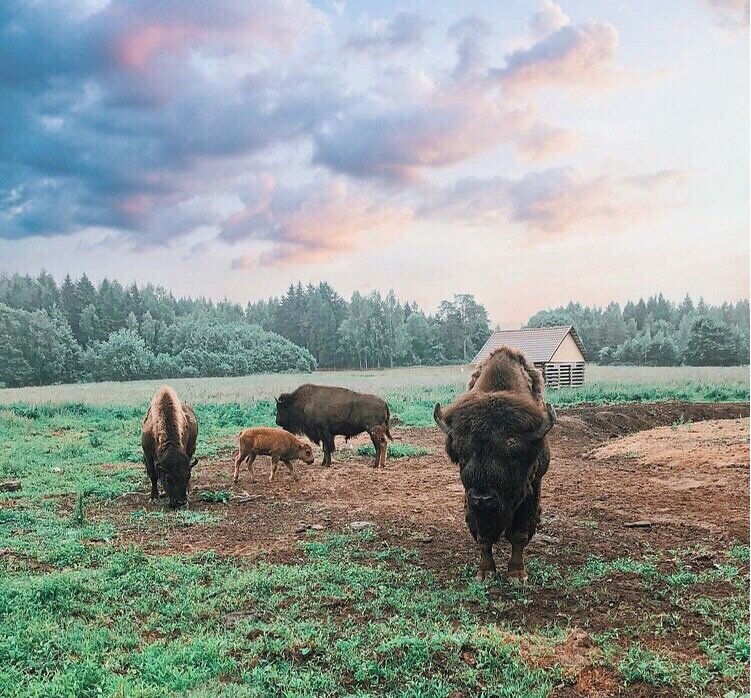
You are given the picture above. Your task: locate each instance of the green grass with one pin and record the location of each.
(395, 451)
(82, 613)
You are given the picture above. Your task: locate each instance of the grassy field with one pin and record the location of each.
(83, 612)
(600, 381)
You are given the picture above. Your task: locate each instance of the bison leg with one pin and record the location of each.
(238, 462)
(328, 449)
(523, 527)
(291, 470)
(379, 443)
(249, 460)
(274, 466)
(151, 471)
(487, 564)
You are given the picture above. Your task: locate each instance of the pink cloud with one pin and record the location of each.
(309, 225)
(548, 18)
(141, 31)
(450, 126)
(732, 14)
(556, 201)
(573, 56)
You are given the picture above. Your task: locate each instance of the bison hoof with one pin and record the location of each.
(484, 575)
(518, 576)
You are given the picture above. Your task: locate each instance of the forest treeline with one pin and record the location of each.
(76, 331)
(658, 332)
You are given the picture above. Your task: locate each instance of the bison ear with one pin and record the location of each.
(439, 420)
(193, 463)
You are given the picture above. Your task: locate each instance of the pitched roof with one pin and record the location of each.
(538, 343)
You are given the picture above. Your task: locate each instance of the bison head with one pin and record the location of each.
(174, 473)
(288, 415)
(496, 440)
(305, 454)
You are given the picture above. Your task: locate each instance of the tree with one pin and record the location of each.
(123, 357)
(88, 325)
(148, 330)
(711, 343)
(465, 326)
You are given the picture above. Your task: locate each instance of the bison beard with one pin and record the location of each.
(497, 437)
(323, 412)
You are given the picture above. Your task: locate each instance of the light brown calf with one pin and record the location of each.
(267, 441)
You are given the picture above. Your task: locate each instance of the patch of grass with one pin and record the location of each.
(396, 450)
(141, 625)
(217, 496)
(642, 664)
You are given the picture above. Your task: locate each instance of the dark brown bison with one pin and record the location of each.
(168, 439)
(322, 412)
(496, 433)
(267, 441)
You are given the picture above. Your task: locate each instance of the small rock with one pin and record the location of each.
(547, 539)
(57, 470)
(317, 527)
(302, 528)
(426, 539)
(638, 524)
(360, 525)
(10, 486)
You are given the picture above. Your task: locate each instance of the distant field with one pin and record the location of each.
(442, 381)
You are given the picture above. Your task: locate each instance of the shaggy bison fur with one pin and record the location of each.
(168, 440)
(496, 433)
(323, 412)
(267, 441)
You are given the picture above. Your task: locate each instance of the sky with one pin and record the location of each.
(529, 153)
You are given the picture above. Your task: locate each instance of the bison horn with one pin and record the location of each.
(547, 424)
(439, 420)
(193, 463)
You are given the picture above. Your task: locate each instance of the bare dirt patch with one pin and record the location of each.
(597, 482)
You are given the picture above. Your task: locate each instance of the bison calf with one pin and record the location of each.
(267, 441)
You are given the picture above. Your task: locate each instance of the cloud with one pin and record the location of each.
(468, 34)
(573, 56)
(309, 223)
(546, 20)
(448, 127)
(405, 31)
(553, 202)
(731, 14)
(116, 120)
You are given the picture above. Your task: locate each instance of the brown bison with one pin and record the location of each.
(168, 439)
(496, 433)
(267, 441)
(323, 412)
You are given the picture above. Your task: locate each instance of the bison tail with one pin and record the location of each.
(388, 423)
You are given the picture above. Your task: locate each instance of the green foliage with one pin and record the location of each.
(658, 332)
(218, 496)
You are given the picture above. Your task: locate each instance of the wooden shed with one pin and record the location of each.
(556, 351)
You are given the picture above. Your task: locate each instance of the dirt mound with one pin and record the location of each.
(611, 421)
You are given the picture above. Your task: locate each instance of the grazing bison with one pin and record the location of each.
(267, 441)
(168, 439)
(322, 412)
(496, 433)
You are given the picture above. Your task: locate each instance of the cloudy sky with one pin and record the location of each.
(529, 152)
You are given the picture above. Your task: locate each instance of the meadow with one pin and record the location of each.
(88, 610)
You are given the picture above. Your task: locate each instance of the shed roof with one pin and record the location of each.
(538, 343)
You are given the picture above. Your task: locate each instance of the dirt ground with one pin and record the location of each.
(610, 466)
